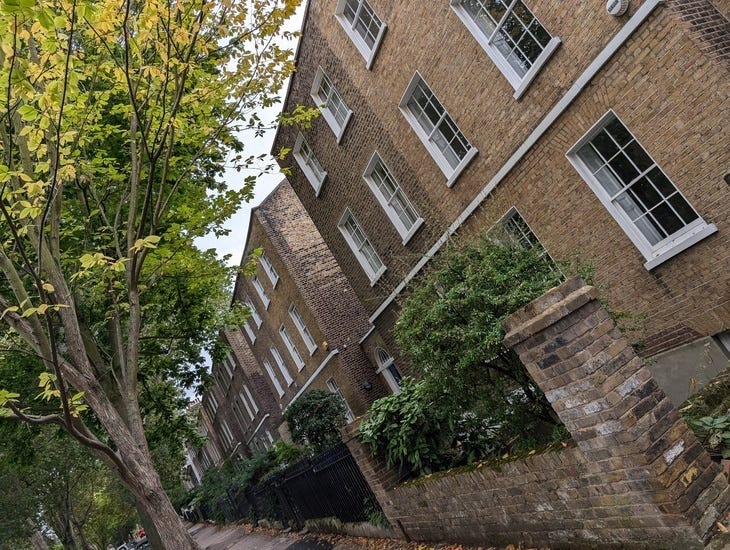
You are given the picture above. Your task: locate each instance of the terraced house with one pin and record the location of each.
(302, 332)
(600, 132)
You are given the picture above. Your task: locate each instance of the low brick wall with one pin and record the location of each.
(638, 478)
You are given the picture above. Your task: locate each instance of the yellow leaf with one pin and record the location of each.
(10, 309)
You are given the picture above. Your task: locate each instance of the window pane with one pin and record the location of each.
(350, 10)
(639, 157)
(623, 168)
(618, 132)
(646, 193)
(609, 181)
(683, 208)
(668, 220)
(662, 182)
(604, 145)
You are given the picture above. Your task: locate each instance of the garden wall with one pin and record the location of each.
(637, 477)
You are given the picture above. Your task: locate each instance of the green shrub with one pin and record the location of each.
(474, 398)
(410, 429)
(315, 420)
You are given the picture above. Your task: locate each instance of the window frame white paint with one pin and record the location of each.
(251, 399)
(404, 231)
(254, 312)
(212, 404)
(270, 371)
(668, 247)
(291, 347)
(309, 164)
(226, 431)
(452, 173)
(368, 52)
(279, 360)
(322, 104)
(243, 400)
(519, 83)
(261, 291)
(249, 331)
(240, 416)
(373, 274)
(384, 361)
(302, 328)
(269, 269)
(230, 364)
(335, 389)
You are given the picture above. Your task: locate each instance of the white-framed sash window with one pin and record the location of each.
(647, 205)
(291, 348)
(307, 337)
(333, 108)
(282, 366)
(269, 269)
(514, 39)
(362, 25)
(361, 246)
(258, 285)
(391, 197)
(436, 129)
(309, 164)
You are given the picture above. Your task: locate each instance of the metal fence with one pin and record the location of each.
(328, 485)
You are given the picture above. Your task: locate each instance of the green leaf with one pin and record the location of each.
(28, 113)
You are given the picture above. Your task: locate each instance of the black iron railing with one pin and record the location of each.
(328, 485)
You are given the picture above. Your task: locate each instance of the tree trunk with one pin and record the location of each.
(164, 524)
(164, 528)
(149, 527)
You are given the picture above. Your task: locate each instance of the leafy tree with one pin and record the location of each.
(115, 123)
(473, 397)
(315, 418)
(60, 486)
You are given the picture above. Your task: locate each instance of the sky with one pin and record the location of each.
(234, 242)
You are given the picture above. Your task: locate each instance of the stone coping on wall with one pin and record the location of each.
(638, 477)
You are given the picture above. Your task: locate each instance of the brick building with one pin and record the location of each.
(302, 333)
(602, 136)
(197, 460)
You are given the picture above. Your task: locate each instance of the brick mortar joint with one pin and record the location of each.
(549, 316)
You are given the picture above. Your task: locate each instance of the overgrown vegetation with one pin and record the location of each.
(708, 413)
(474, 398)
(315, 420)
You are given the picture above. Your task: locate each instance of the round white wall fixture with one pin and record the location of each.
(617, 7)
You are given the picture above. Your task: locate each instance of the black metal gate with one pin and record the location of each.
(328, 485)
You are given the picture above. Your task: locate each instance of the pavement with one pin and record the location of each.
(236, 537)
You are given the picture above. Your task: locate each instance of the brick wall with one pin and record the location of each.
(669, 83)
(637, 478)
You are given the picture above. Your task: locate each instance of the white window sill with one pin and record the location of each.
(312, 351)
(521, 88)
(367, 52)
(374, 278)
(416, 226)
(338, 130)
(688, 240)
(451, 179)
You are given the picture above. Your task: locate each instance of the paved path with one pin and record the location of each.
(228, 537)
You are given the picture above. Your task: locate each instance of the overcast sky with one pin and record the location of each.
(233, 243)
